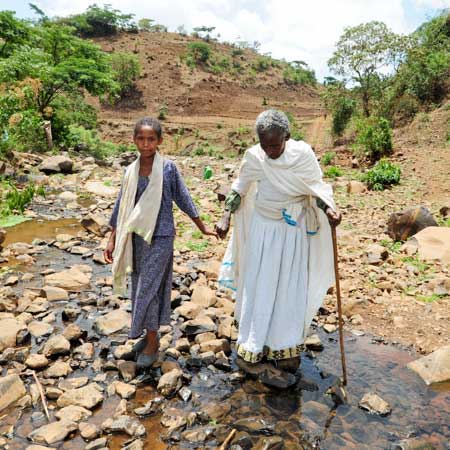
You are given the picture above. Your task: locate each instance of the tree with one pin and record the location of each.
(145, 24)
(13, 33)
(364, 54)
(204, 30)
(125, 71)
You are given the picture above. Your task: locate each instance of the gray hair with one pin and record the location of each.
(272, 121)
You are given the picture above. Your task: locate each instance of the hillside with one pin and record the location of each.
(197, 99)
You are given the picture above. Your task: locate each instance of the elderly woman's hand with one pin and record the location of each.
(334, 217)
(223, 225)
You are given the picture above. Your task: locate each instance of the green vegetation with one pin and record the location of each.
(11, 221)
(392, 246)
(343, 110)
(162, 112)
(374, 137)
(14, 200)
(197, 246)
(198, 53)
(327, 158)
(430, 298)
(296, 132)
(126, 71)
(297, 72)
(333, 172)
(382, 175)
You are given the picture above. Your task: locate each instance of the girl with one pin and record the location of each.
(280, 257)
(142, 237)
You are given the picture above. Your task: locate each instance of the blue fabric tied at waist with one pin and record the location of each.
(290, 221)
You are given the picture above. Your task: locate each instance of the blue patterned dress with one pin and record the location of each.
(151, 280)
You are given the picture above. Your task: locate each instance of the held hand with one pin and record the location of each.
(223, 226)
(208, 232)
(334, 217)
(107, 254)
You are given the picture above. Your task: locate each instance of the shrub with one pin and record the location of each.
(296, 132)
(162, 112)
(383, 174)
(342, 112)
(199, 52)
(374, 137)
(126, 70)
(299, 75)
(327, 158)
(333, 172)
(261, 64)
(17, 200)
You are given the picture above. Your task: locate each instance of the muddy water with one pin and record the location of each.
(306, 416)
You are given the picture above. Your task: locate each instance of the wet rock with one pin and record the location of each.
(36, 361)
(183, 345)
(39, 447)
(167, 366)
(124, 352)
(174, 419)
(86, 396)
(127, 369)
(89, 431)
(402, 225)
(217, 411)
(170, 383)
(313, 342)
(270, 443)
(433, 368)
(9, 328)
(56, 345)
(53, 432)
(113, 322)
(58, 369)
(100, 189)
(84, 352)
(67, 196)
(374, 404)
(96, 224)
(73, 413)
(71, 280)
(73, 383)
(198, 325)
(56, 164)
(153, 406)
(38, 328)
(198, 435)
(204, 296)
(255, 425)
(98, 444)
(138, 444)
(432, 244)
(52, 393)
(185, 393)
(121, 409)
(11, 390)
(124, 390)
(330, 328)
(124, 424)
(72, 332)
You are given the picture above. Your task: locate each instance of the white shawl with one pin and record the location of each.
(297, 175)
(140, 218)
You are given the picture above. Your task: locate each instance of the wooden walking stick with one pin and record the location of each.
(339, 304)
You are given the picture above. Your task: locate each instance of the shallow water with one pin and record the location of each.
(304, 416)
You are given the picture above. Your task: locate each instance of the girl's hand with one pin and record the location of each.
(208, 232)
(108, 253)
(223, 225)
(201, 226)
(334, 217)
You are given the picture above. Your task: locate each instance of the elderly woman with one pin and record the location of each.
(279, 260)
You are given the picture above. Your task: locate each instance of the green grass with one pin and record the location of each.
(197, 234)
(392, 246)
(197, 246)
(414, 261)
(429, 298)
(327, 158)
(333, 172)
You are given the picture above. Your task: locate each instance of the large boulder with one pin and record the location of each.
(402, 225)
(53, 432)
(11, 390)
(71, 280)
(56, 164)
(9, 328)
(101, 189)
(432, 243)
(87, 397)
(433, 368)
(95, 223)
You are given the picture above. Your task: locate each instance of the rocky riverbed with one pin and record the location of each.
(63, 338)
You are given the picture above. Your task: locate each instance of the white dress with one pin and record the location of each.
(268, 261)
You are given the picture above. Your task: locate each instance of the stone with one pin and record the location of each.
(72, 332)
(138, 444)
(127, 369)
(153, 406)
(226, 328)
(270, 443)
(86, 396)
(216, 345)
(217, 411)
(313, 342)
(433, 244)
(113, 322)
(404, 224)
(56, 345)
(124, 424)
(100, 189)
(95, 223)
(98, 444)
(183, 345)
(39, 447)
(330, 328)
(2, 236)
(58, 369)
(210, 268)
(88, 431)
(167, 366)
(11, 281)
(53, 432)
(375, 404)
(204, 337)
(36, 361)
(356, 187)
(56, 164)
(124, 390)
(11, 390)
(170, 383)
(198, 325)
(189, 310)
(71, 280)
(73, 383)
(185, 393)
(204, 296)
(433, 368)
(68, 196)
(9, 328)
(255, 425)
(198, 435)
(38, 328)
(73, 413)
(376, 254)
